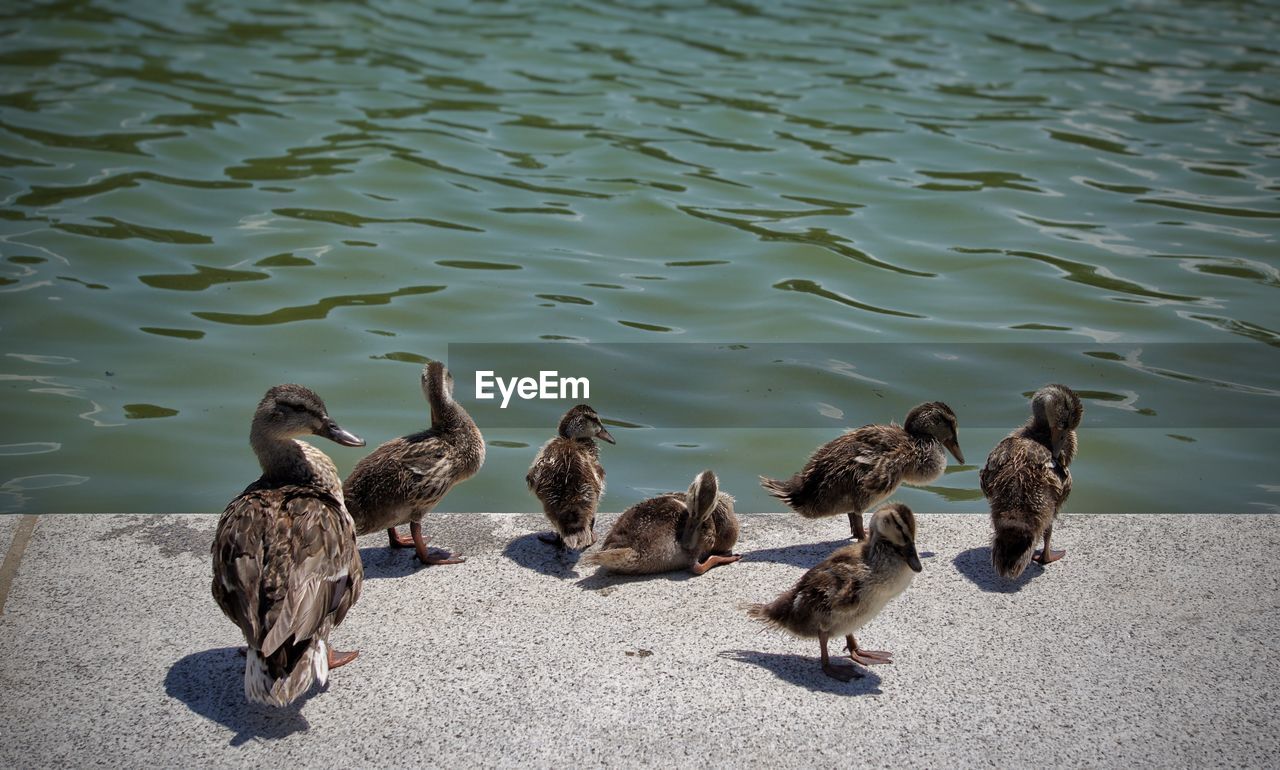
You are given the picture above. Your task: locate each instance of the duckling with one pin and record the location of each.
(1027, 479)
(404, 478)
(567, 477)
(849, 588)
(285, 564)
(864, 466)
(695, 531)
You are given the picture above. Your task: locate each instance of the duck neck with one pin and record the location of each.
(927, 462)
(283, 460)
(451, 422)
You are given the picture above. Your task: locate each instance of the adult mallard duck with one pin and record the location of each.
(695, 530)
(285, 564)
(402, 480)
(1027, 478)
(568, 479)
(848, 589)
(864, 466)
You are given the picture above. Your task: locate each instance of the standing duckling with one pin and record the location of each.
(864, 466)
(695, 531)
(404, 478)
(285, 564)
(568, 479)
(848, 589)
(1027, 479)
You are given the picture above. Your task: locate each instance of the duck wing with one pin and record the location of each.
(286, 565)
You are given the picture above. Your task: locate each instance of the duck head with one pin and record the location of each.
(437, 382)
(701, 497)
(935, 419)
(1057, 408)
(583, 422)
(293, 410)
(895, 524)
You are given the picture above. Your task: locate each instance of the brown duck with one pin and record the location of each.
(568, 479)
(285, 564)
(402, 480)
(848, 589)
(695, 530)
(865, 465)
(1027, 479)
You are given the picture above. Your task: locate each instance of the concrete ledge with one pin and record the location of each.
(1155, 642)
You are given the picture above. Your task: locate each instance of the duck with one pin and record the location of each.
(567, 478)
(848, 589)
(1027, 478)
(404, 478)
(286, 569)
(864, 466)
(695, 530)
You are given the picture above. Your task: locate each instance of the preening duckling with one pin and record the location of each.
(285, 564)
(849, 588)
(695, 531)
(568, 479)
(865, 465)
(1027, 478)
(402, 480)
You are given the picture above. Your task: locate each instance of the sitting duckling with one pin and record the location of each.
(1027, 479)
(285, 564)
(404, 478)
(857, 470)
(695, 531)
(849, 588)
(567, 477)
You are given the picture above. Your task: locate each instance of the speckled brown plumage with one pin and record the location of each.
(568, 479)
(849, 588)
(285, 565)
(1027, 478)
(694, 530)
(864, 466)
(403, 479)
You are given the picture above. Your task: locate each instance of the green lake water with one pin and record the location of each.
(770, 221)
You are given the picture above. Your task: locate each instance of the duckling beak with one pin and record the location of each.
(913, 558)
(604, 435)
(331, 431)
(1057, 437)
(953, 446)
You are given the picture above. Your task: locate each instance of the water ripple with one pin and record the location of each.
(315, 310)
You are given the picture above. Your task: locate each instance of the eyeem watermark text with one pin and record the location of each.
(548, 385)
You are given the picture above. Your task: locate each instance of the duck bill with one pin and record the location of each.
(953, 446)
(913, 558)
(337, 435)
(1057, 437)
(604, 435)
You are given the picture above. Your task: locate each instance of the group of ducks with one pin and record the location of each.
(286, 568)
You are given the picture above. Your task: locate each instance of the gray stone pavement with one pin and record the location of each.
(1153, 643)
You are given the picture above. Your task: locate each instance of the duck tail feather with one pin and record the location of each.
(1011, 549)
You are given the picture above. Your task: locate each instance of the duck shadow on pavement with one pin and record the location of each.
(546, 559)
(806, 671)
(975, 565)
(799, 555)
(211, 683)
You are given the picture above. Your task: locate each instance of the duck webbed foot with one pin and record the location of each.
(865, 657)
(1047, 555)
(843, 673)
(855, 526)
(713, 560)
(430, 556)
(337, 658)
(398, 540)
